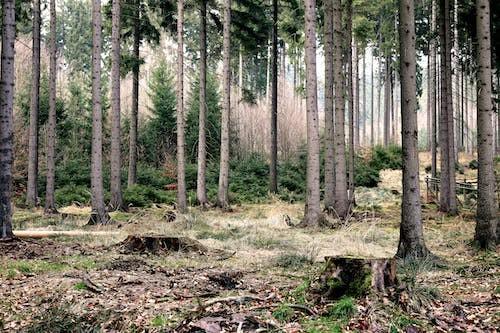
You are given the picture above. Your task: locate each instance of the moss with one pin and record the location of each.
(361, 285)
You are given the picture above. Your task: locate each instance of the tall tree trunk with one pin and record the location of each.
(372, 83)
(201, 189)
(433, 90)
(456, 81)
(329, 134)
(429, 112)
(411, 237)
(99, 214)
(273, 167)
(341, 205)
(312, 214)
(448, 194)
(364, 113)
(451, 123)
(50, 204)
(134, 110)
(222, 195)
(466, 114)
(6, 116)
(486, 234)
(181, 144)
(379, 101)
(32, 193)
(116, 163)
(353, 106)
(387, 102)
(354, 78)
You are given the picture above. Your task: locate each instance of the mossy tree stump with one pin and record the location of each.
(356, 277)
(159, 243)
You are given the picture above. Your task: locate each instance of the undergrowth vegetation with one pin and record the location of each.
(248, 179)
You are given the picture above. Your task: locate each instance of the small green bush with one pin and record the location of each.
(69, 194)
(143, 196)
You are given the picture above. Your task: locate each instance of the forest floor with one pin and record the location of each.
(257, 274)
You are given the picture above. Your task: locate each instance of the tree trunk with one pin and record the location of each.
(312, 215)
(6, 116)
(433, 91)
(387, 102)
(181, 158)
(329, 134)
(451, 123)
(411, 237)
(134, 110)
(222, 195)
(456, 80)
(201, 189)
(429, 112)
(31, 192)
(487, 208)
(50, 205)
(356, 276)
(372, 127)
(353, 106)
(116, 165)
(379, 101)
(354, 96)
(364, 113)
(341, 196)
(448, 194)
(98, 214)
(273, 167)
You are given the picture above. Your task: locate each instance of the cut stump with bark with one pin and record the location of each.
(158, 243)
(356, 276)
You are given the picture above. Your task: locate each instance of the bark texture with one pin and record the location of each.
(134, 110)
(487, 208)
(50, 205)
(181, 143)
(312, 215)
(411, 237)
(448, 201)
(387, 102)
(116, 164)
(341, 204)
(433, 91)
(353, 106)
(6, 116)
(329, 133)
(222, 194)
(32, 191)
(201, 188)
(273, 166)
(99, 214)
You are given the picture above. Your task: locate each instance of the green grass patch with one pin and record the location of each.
(16, 267)
(283, 313)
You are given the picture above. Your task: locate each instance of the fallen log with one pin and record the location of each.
(356, 276)
(158, 243)
(38, 234)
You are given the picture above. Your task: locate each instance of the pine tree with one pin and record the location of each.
(116, 186)
(99, 214)
(6, 116)
(411, 239)
(486, 234)
(50, 205)
(32, 191)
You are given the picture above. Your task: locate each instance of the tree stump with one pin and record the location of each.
(157, 243)
(356, 276)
